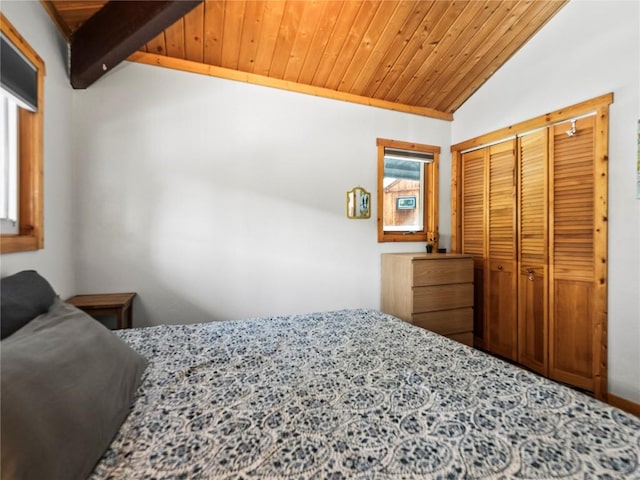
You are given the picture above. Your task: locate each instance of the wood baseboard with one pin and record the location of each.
(624, 404)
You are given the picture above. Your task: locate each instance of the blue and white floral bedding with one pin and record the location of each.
(353, 394)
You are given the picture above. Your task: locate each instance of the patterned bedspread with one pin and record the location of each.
(353, 394)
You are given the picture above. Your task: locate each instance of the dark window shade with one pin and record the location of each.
(408, 154)
(17, 75)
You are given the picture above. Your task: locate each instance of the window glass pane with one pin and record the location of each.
(403, 185)
(9, 165)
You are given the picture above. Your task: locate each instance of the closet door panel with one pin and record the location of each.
(480, 333)
(532, 251)
(502, 199)
(501, 279)
(532, 315)
(473, 170)
(502, 312)
(572, 254)
(572, 350)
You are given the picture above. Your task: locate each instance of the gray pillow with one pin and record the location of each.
(68, 383)
(24, 296)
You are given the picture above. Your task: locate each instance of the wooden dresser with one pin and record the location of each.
(430, 290)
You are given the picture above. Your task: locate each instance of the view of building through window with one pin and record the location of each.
(403, 195)
(403, 190)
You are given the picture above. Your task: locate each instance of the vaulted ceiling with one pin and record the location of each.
(425, 57)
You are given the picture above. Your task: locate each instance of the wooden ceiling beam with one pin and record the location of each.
(116, 31)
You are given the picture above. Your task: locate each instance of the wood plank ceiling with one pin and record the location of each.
(427, 57)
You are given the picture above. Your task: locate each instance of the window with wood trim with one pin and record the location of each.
(407, 192)
(22, 184)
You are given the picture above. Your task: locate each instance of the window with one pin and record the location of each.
(21, 97)
(407, 192)
(9, 165)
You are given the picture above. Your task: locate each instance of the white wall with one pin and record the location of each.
(215, 199)
(54, 262)
(588, 49)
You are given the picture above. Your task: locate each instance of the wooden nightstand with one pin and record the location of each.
(104, 304)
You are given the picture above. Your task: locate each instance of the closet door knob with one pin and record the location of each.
(500, 267)
(531, 272)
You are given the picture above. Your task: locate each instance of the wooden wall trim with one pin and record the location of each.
(456, 202)
(220, 72)
(600, 344)
(541, 121)
(57, 19)
(624, 404)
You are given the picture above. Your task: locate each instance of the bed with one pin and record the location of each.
(351, 394)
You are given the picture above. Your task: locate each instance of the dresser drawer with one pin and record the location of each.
(439, 272)
(446, 322)
(442, 297)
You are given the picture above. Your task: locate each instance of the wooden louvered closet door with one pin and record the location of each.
(573, 283)
(500, 274)
(532, 251)
(533, 213)
(473, 231)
